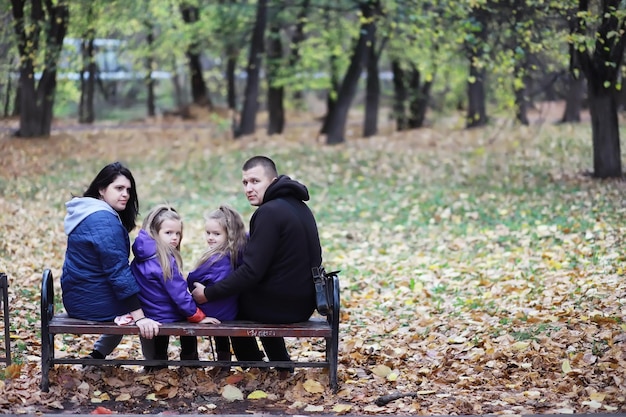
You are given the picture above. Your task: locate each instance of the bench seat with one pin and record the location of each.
(323, 328)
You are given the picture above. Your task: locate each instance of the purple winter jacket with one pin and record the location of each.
(162, 300)
(208, 274)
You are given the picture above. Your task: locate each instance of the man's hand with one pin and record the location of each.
(198, 293)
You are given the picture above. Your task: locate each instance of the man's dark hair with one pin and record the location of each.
(105, 177)
(268, 165)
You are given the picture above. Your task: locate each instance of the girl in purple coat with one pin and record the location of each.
(164, 296)
(225, 234)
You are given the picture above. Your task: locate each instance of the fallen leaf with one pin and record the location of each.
(566, 367)
(257, 394)
(232, 393)
(341, 408)
(313, 386)
(123, 397)
(101, 410)
(314, 408)
(381, 370)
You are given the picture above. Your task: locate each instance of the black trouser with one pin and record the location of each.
(188, 347)
(247, 349)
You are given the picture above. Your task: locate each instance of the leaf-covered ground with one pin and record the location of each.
(482, 271)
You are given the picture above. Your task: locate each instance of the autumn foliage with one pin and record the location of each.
(482, 271)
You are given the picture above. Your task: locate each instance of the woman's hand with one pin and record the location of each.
(211, 320)
(198, 293)
(148, 328)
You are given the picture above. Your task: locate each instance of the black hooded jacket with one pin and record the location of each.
(274, 282)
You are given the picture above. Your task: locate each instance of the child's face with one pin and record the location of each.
(214, 233)
(171, 232)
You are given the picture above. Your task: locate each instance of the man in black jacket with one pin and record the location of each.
(274, 282)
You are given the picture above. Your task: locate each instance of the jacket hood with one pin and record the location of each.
(284, 186)
(78, 208)
(144, 246)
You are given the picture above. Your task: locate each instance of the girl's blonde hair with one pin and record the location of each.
(236, 237)
(152, 224)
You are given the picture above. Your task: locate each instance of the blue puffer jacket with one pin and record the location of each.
(162, 300)
(96, 280)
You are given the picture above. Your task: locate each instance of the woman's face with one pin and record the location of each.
(117, 193)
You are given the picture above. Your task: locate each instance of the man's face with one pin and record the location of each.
(255, 182)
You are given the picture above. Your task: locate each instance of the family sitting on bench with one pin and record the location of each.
(263, 277)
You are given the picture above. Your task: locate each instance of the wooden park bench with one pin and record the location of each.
(4, 287)
(52, 324)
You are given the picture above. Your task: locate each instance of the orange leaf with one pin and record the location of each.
(233, 379)
(13, 371)
(101, 410)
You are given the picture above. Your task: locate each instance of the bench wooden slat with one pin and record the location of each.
(61, 324)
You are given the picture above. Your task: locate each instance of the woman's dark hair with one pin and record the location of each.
(105, 177)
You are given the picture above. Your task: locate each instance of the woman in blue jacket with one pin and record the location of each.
(97, 282)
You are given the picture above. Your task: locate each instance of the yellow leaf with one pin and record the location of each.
(392, 376)
(105, 397)
(597, 396)
(123, 397)
(96, 400)
(566, 367)
(151, 397)
(257, 394)
(520, 345)
(381, 371)
(313, 386)
(341, 408)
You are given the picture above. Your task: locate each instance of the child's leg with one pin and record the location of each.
(105, 344)
(155, 348)
(246, 348)
(189, 348)
(222, 346)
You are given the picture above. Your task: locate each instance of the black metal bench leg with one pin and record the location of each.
(47, 339)
(4, 284)
(332, 345)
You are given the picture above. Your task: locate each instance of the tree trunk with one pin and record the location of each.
(86, 113)
(275, 94)
(372, 92)
(150, 99)
(37, 102)
(247, 124)
(607, 162)
(399, 96)
(331, 96)
(7, 96)
(296, 40)
(231, 82)
(521, 97)
(602, 70)
(199, 90)
(573, 98)
(575, 80)
(476, 112)
(338, 118)
(419, 96)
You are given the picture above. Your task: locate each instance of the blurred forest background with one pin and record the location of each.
(407, 62)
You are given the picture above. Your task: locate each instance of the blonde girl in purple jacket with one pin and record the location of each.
(164, 296)
(225, 234)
